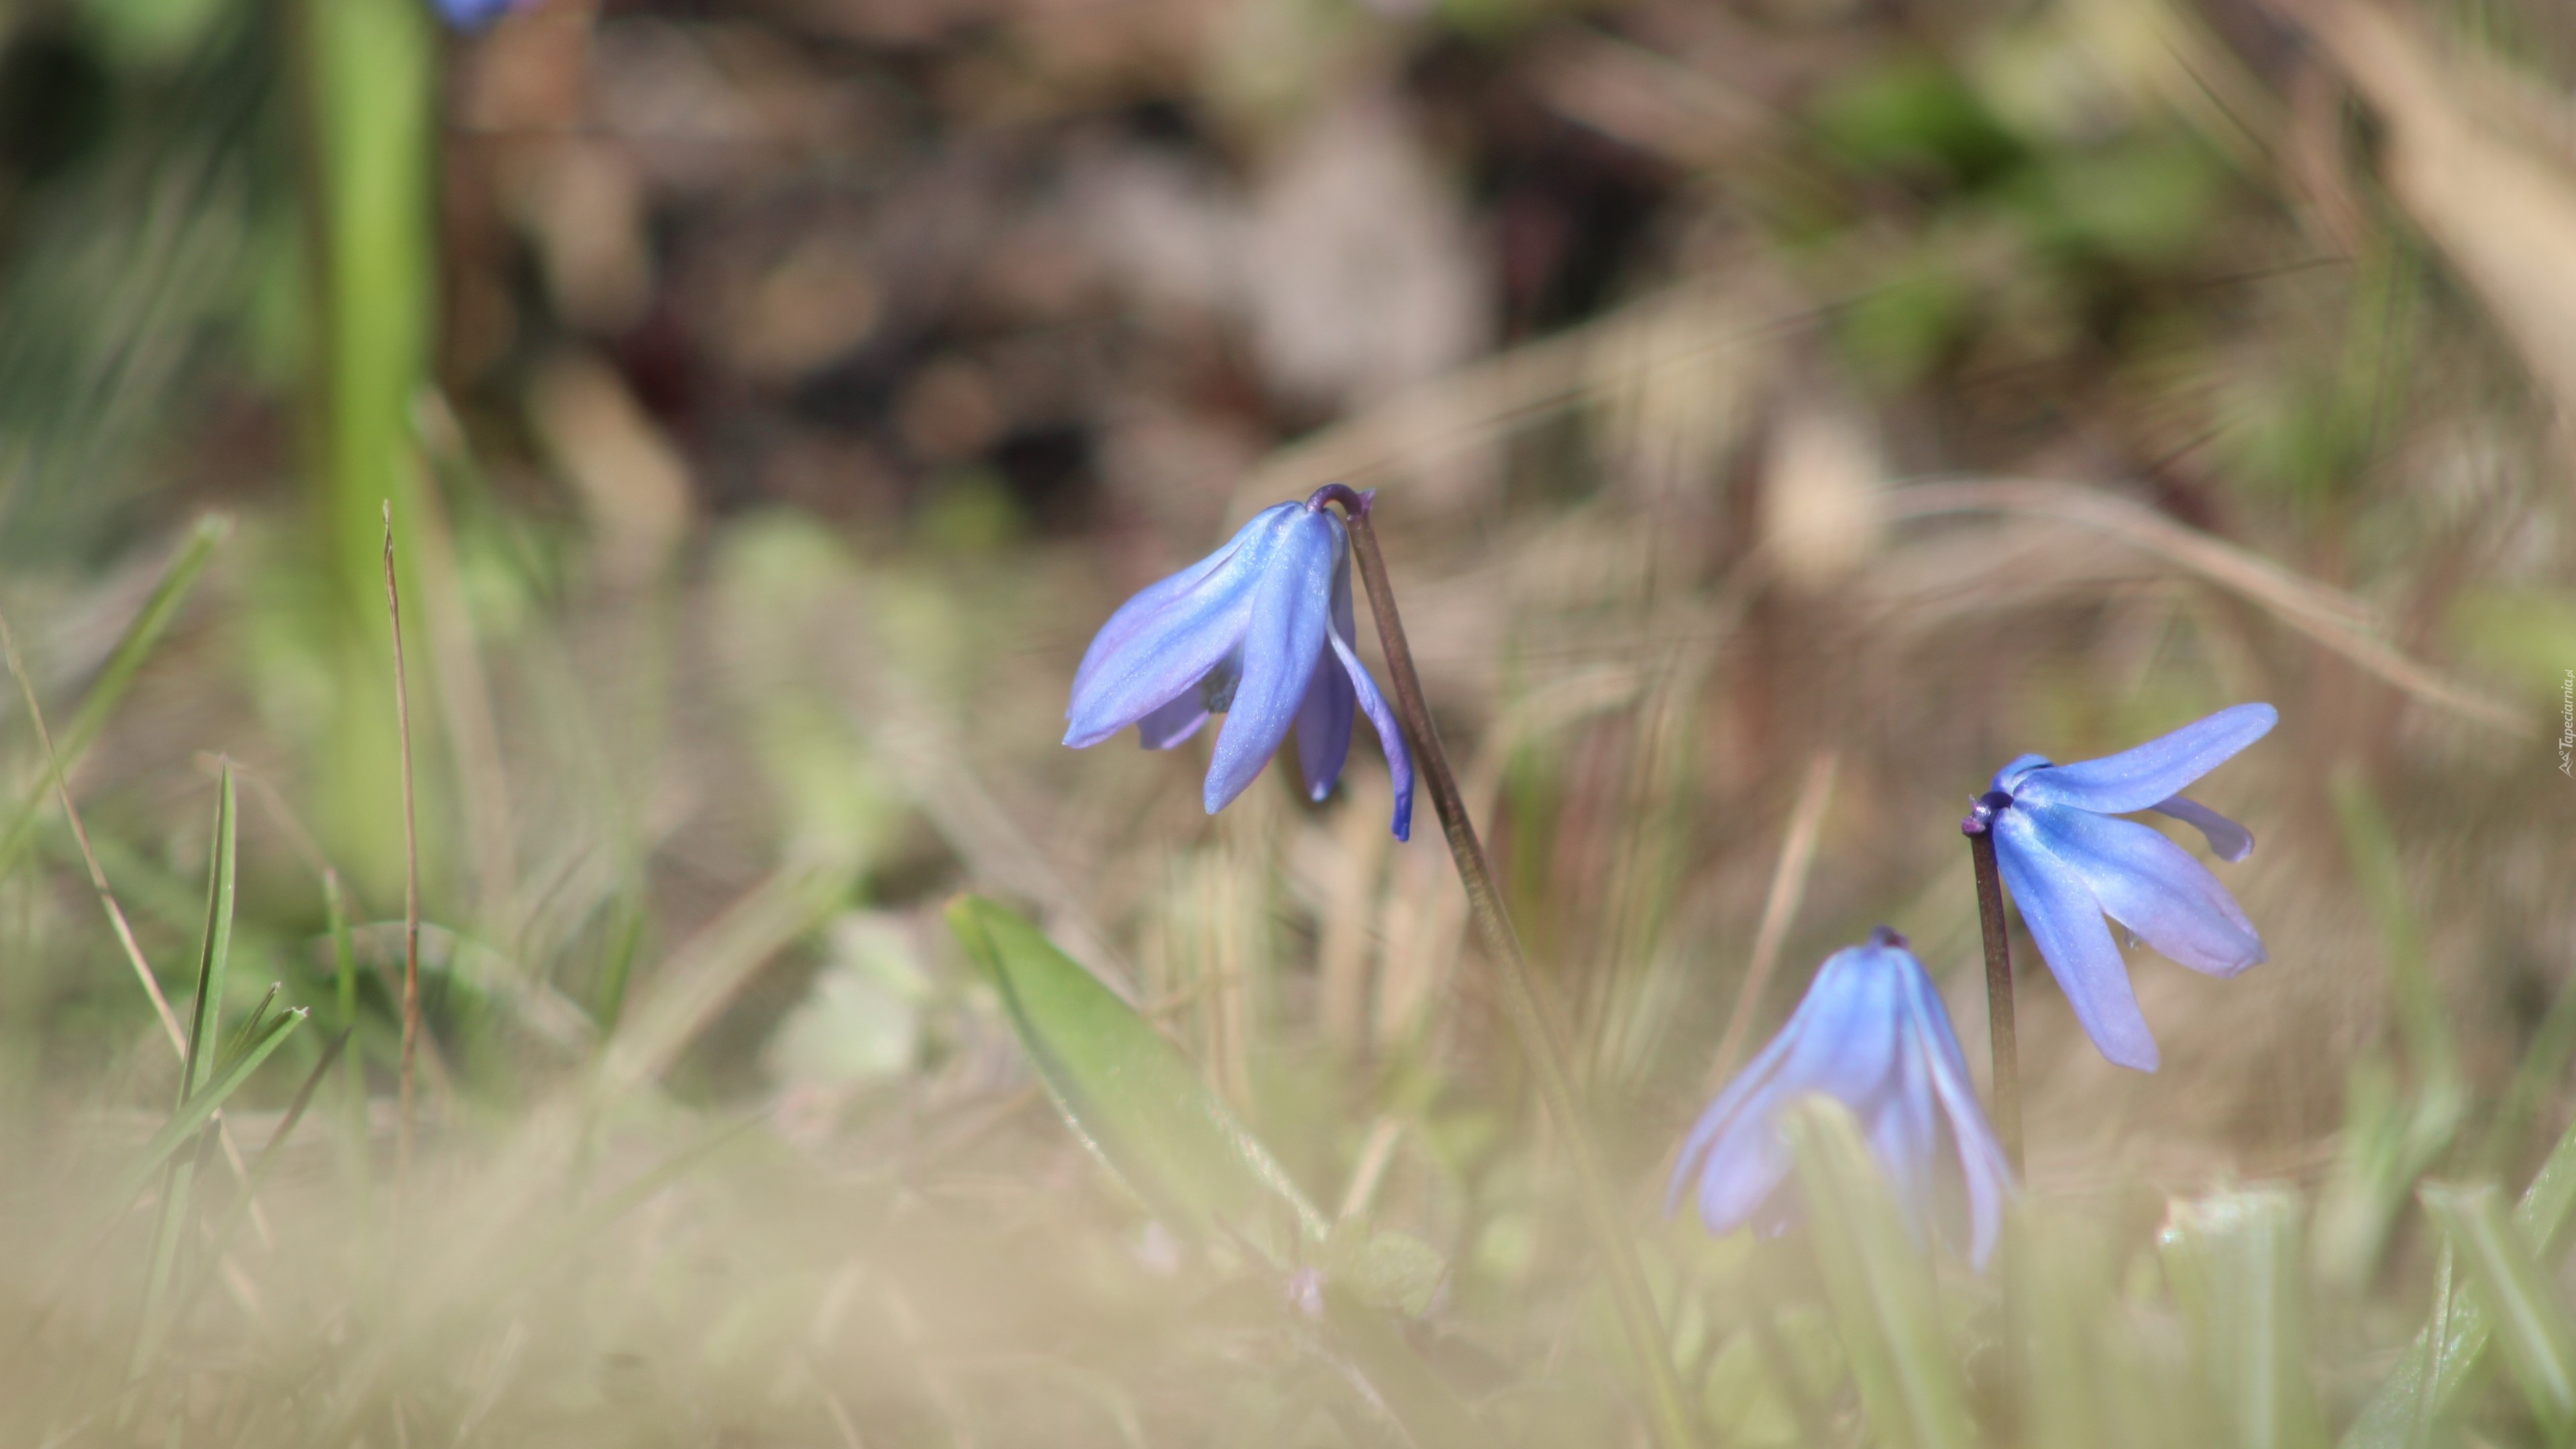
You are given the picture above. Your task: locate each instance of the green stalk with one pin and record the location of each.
(1533, 1016)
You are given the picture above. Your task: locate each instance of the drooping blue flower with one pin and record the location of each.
(1871, 1034)
(2068, 864)
(1259, 631)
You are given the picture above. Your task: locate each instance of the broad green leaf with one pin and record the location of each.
(1878, 1279)
(2538, 1339)
(2431, 1375)
(1130, 1095)
(2234, 1260)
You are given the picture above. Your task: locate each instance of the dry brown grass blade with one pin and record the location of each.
(2494, 202)
(1477, 404)
(170, 1028)
(411, 863)
(2330, 617)
(1788, 888)
(710, 968)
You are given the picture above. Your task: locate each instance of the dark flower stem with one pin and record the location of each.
(1999, 991)
(1525, 1000)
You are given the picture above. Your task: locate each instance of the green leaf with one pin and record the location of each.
(201, 1108)
(2448, 1352)
(2234, 1260)
(107, 691)
(2539, 1341)
(1878, 1280)
(214, 948)
(1140, 1105)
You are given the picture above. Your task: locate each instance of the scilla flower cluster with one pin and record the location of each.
(1261, 631)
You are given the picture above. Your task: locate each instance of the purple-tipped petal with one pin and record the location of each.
(2228, 840)
(2153, 772)
(2059, 907)
(1166, 639)
(2152, 886)
(1174, 722)
(1390, 734)
(1283, 643)
(1324, 724)
(1324, 721)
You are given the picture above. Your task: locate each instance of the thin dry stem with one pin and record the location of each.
(411, 865)
(1534, 1017)
(177, 1035)
(1788, 889)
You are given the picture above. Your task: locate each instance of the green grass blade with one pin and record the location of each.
(221, 1240)
(214, 949)
(2538, 1339)
(184, 1135)
(2429, 1377)
(1142, 1107)
(1879, 1283)
(2379, 873)
(107, 691)
(201, 1108)
(2234, 1259)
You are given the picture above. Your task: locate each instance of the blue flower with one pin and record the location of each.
(473, 14)
(2069, 864)
(1872, 1035)
(1259, 631)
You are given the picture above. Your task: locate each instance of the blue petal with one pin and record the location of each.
(1324, 721)
(1902, 1132)
(1390, 733)
(1174, 723)
(2064, 918)
(2228, 840)
(1164, 640)
(2153, 772)
(1841, 1041)
(2012, 774)
(1282, 645)
(2152, 886)
(1980, 1157)
(473, 14)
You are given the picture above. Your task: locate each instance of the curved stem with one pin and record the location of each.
(1526, 1001)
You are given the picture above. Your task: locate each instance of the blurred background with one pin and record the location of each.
(1783, 412)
